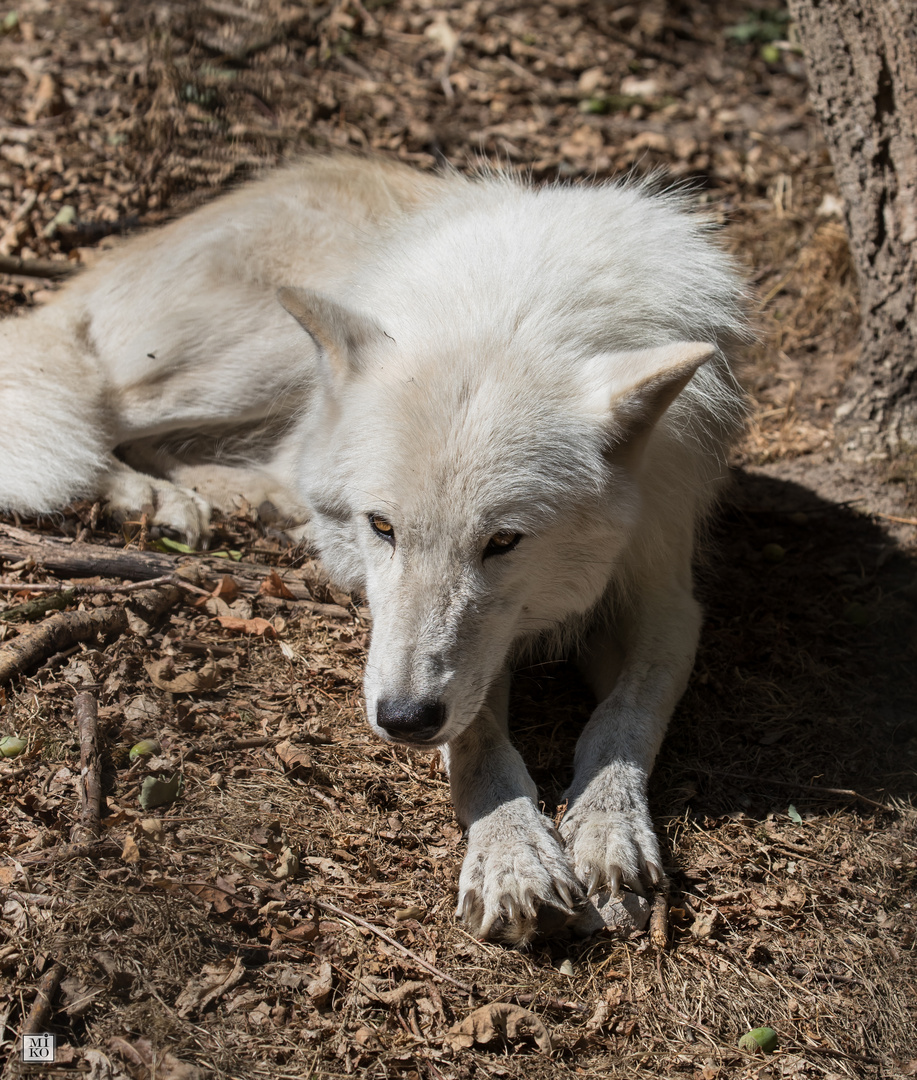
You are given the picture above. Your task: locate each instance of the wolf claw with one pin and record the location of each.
(516, 879)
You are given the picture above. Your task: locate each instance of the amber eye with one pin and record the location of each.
(383, 528)
(501, 542)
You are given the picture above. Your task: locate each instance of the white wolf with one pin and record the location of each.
(507, 413)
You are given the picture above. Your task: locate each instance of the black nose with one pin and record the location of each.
(411, 721)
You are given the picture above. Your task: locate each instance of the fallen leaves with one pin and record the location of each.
(321, 987)
(273, 585)
(139, 132)
(296, 760)
(502, 1021)
(164, 677)
(212, 983)
(257, 627)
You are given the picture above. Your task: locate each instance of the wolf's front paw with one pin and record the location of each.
(516, 879)
(612, 847)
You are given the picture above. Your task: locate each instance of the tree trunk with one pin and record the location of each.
(861, 57)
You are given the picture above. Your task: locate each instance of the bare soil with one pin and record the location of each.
(290, 913)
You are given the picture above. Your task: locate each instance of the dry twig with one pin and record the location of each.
(86, 715)
(798, 785)
(99, 849)
(659, 915)
(41, 268)
(64, 629)
(56, 634)
(36, 1022)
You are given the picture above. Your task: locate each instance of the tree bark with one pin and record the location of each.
(861, 57)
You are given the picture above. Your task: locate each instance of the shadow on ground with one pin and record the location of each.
(806, 678)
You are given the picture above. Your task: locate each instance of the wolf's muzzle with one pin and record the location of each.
(411, 721)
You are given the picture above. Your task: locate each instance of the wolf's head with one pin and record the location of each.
(476, 501)
(479, 444)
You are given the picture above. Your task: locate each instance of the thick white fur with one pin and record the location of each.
(481, 360)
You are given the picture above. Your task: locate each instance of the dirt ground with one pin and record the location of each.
(290, 913)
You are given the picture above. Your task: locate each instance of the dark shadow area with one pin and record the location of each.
(806, 678)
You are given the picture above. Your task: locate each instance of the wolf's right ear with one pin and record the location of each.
(339, 333)
(637, 387)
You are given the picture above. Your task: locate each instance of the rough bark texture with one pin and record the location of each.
(861, 57)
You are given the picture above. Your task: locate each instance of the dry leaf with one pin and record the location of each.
(142, 1060)
(302, 932)
(213, 981)
(322, 986)
(703, 924)
(130, 853)
(227, 589)
(257, 627)
(624, 914)
(296, 761)
(214, 605)
(77, 998)
(221, 896)
(48, 100)
(162, 675)
(405, 992)
(412, 912)
(287, 862)
(273, 586)
(499, 1020)
(366, 1037)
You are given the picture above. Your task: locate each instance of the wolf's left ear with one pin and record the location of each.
(642, 385)
(339, 333)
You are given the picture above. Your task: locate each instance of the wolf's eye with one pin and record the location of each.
(501, 542)
(382, 528)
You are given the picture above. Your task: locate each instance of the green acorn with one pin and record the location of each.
(144, 748)
(11, 746)
(763, 1038)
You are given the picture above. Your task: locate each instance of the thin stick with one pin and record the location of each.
(81, 588)
(46, 268)
(86, 715)
(326, 906)
(100, 849)
(798, 786)
(659, 915)
(547, 1002)
(52, 600)
(891, 517)
(37, 1019)
(57, 634)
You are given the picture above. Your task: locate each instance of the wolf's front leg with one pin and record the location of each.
(515, 878)
(638, 677)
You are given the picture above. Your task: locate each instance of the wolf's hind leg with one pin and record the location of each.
(515, 878)
(228, 488)
(128, 493)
